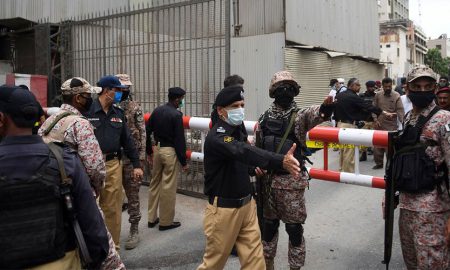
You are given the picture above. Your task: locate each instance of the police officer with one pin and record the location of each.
(112, 133)
(351, 109)
(166, 124)
(424, 213)
(230, 216)
(283, 194)
(135, 121)
(33, 221)
(368, 96)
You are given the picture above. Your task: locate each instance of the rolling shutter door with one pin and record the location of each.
(311, 70)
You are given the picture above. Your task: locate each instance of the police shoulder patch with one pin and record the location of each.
(228, 139)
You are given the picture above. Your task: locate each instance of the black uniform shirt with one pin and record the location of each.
(368, 97)
(166, 122)
(351, 107)
(112, 132)
(30, 153)
(227, 159)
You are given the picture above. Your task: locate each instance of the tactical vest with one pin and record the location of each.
(33, 227)
(272, 130)
(50, 134)
(413, 170)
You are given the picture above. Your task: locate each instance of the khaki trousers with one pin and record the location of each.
(347, 156)
(110, 199)
(71, 261)
(163, 186)
(225, 227)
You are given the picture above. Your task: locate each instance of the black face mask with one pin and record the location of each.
(284, 95)
(87, 105)
(421, 99)
(125, 95)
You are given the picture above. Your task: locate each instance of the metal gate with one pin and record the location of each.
(183, 44)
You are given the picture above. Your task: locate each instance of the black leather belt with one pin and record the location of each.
(111, 156)
(231, 203)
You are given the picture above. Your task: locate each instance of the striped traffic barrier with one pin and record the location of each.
(326, 135)
(319, 174)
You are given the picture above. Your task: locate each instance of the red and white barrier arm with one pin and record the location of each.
(332, 176)
(325, 134)
(349, 136)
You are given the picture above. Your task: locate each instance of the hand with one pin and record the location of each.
(185, 168)
(138, 174)
(290, 163)
(447, 233)
(260, 172)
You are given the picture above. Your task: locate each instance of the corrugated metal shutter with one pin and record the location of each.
(312, 70)
(345, 67)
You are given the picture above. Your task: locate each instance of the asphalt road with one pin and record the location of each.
(344, 230)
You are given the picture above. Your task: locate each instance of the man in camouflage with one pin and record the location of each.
(423, 215)
(135, 121)
(284, 195)
(70, 127)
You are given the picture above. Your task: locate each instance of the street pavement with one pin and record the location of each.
(344, 230)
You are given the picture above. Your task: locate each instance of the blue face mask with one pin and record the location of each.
(181, 103)
(235, 116)
(117, 97)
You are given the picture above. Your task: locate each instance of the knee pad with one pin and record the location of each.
(295, 232)
(270, 229)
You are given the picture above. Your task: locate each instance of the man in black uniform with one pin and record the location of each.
(112, 133)
(230, 216)
(350, 109)
(34, 228)
(368, 96)
(166, 124)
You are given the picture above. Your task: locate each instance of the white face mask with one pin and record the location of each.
(235, 116)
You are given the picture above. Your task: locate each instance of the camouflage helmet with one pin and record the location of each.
(282, 77)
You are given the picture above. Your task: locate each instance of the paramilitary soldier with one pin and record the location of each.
(36, 226)
(135, 121)
(424, 196)
(230, 216)
(71, 128)
(282, 125)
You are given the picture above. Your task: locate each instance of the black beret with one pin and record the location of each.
(370, 83)
(177, 91)
(229, 94)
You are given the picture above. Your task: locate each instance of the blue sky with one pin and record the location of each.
(435, 16)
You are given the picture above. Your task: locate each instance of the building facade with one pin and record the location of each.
(393, 10)
(442, 43)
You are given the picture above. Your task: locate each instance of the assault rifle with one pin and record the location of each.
(259, 188)
(390, 203)
(65, 191)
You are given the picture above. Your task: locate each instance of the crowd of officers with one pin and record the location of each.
(103, 143)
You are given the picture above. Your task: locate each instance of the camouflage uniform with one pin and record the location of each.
(80, 136)
(423, 216)
(287, 193)
(135, 121)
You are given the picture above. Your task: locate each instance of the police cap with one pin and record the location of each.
(229, 94)
(20, 104)
(110, 81)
